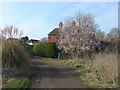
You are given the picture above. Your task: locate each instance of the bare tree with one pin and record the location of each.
(113, 34)
(79, 35)
(113, 38)
(100, 35)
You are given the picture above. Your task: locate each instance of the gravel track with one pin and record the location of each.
(52, 74)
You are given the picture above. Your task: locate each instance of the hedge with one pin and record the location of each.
(38, 50)
(48, 49)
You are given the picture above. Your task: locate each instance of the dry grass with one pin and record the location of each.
(13, 55)
(101, 72)
(104, 70)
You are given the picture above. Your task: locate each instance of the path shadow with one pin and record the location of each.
(54, 72)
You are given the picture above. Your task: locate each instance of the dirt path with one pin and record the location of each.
(52, 74)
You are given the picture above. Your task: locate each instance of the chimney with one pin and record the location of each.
(60, 25)
(73, 23)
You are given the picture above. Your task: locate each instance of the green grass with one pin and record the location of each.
(21, 81)
(78, 65)
(17, 83)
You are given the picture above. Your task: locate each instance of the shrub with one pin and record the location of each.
(45, 50)
(13, 55)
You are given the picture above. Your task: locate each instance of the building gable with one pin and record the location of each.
(54, 32)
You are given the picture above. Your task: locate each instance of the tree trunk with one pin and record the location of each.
(58, 56)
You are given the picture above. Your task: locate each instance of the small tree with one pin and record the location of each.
(112, 37)
(100, 35)
(113, 34)
(79, 35)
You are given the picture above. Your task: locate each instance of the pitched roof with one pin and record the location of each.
(54, 32)
(33, 40)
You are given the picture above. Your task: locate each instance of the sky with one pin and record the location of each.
(37, 19)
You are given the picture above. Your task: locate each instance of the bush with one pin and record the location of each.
(13, 55)
(45, 50)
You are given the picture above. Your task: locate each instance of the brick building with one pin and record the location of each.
(54, 36)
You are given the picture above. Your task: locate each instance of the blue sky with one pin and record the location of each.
(37, 19)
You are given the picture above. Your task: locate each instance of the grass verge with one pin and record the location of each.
(102, 72)
(20, 81)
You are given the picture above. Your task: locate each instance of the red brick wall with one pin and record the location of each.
(53, 38)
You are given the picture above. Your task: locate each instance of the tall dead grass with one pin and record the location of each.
(13, 55)
(104, 69)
